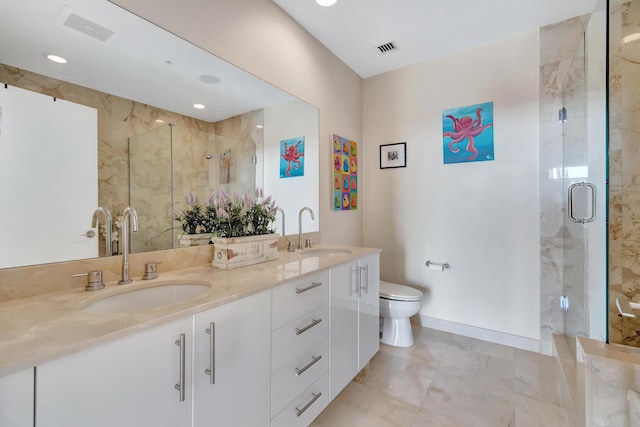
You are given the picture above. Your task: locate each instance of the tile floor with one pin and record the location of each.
(450, 380)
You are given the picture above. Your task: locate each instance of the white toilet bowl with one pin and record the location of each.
(397, 304)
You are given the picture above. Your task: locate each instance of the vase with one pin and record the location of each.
(187, 240)
(234, 252)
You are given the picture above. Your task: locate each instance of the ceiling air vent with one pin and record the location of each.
(386, 48)
(87, 27)
(70, 19)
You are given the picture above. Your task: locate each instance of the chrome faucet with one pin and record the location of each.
(129, 214)
(282, 212)
(107, 225)
(313, 217)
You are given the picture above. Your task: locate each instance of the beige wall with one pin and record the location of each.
(259, 37)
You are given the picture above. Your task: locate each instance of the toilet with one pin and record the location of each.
(397, 304)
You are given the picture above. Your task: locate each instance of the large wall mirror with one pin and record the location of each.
(154, 147)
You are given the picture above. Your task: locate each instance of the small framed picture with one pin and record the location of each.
(393, 155)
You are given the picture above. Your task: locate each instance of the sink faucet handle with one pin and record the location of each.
(151, 270)
(94, 280)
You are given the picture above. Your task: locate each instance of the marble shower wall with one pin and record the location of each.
(191, 140)
(558, 46)
(624, 170)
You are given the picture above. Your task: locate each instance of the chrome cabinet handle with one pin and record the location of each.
(315, 397)
(572, 187)
(354, 280)
(181, 385)
(308, 288)
(314, 360)
(212, 353)
(313, 323)
(366, 276)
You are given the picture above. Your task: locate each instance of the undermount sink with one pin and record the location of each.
(324, 252)
(144, 299)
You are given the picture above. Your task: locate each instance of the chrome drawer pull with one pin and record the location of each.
(212, 353)
(309, 403)
(314, 360)
(181, 387)
(308, 288)
(313, 323)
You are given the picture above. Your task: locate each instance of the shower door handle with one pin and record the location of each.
(591, 187)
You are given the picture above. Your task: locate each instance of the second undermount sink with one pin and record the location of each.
(324, 252)
(146, 298)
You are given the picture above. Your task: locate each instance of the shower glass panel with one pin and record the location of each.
(584, 178)
(150, 178)
(624, 170)
(578, 197)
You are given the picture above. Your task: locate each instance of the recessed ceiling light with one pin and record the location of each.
(209, 79)
(631, 38)
(57, 59)
(259, 126)
(326, 2)
(159, 121)
(198, 106)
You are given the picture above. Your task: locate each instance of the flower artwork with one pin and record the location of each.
(345, 174)
(467, 133)
(292, 157)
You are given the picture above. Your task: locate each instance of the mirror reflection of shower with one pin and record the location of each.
(150, 188)
(232, 162)
(171, 161)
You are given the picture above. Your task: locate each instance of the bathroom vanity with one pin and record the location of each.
(266, 345)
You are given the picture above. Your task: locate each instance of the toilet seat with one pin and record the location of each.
(396, 292)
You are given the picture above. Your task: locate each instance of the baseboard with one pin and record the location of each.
(515, 341)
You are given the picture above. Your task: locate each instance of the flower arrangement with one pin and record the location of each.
(229, 216)
(238, 216)
(194, 217)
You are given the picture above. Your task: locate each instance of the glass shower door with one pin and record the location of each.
(579, 196)
(150, 191)
(584, 176)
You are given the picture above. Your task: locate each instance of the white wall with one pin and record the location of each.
(483, 217)
(290, 120)
(259, 37)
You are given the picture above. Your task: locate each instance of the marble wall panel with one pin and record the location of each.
(624, 170)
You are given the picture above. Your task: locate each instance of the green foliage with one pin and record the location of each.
(228, 216)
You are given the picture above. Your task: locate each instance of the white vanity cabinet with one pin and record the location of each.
(16, 399)
(129, 382)
(231, 363)
(355, 318)
(300, 350)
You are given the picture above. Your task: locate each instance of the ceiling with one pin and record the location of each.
(421, 29)
(135, 59)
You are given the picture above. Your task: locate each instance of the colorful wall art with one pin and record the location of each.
(292, 157)
(345, 174)
(467, 133)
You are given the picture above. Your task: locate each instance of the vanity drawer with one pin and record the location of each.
(298, 375)
(294, 299)
(291, 340)
(306, 407)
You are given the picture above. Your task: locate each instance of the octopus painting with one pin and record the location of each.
(459, 125)
(292, 153)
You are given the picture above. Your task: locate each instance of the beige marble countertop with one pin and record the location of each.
(37, 329)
